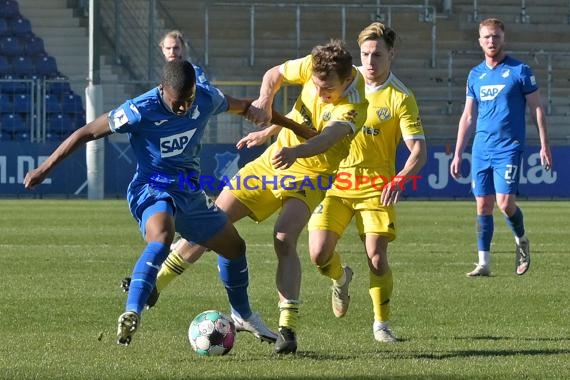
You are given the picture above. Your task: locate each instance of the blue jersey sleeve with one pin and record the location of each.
(124, 118)
(528, 80)
(218, 100)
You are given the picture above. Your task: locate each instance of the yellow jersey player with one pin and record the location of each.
(366, 186)
(293, 174)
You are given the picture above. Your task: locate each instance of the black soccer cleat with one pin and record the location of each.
(286, 341)
(152, 298)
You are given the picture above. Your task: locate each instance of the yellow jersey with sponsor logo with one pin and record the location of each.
(392, 114)
(310, 110)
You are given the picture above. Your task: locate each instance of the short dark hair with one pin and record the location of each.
(179, 75)
(332, 57)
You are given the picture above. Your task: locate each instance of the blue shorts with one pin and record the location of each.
(493, 173)
(196, 216)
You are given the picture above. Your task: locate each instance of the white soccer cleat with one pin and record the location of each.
(480, 271)
(522, 258)
(255, 325)
(340, 298)
(383, 334)
(128, 324)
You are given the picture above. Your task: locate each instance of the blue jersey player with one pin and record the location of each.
(165, 126)
(498, 92)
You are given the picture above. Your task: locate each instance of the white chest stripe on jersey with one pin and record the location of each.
(175, 144)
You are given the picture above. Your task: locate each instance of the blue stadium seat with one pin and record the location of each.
(23, 66)
(20, 26)
(12, 46)
(35, 46)
(5, 66)
(72, 104)
(13, 85)
(23, 103)
(46, 67)
(58, 87)
(9, 9)
(4, 29)
(6, 103)
(53, 103)
(13, 123)
(59, 124)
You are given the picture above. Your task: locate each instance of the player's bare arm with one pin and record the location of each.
(262, 109)
(330, 135)
(536, 110)
(464, 131)
(415, 162)
(94, 130)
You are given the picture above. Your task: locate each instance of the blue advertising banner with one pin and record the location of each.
(223, 160)
(535, 182)
(69, 178)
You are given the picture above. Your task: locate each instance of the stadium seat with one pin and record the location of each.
(9, 9)
(12, 46)
(59, 124)
(46, 67)
(23, 66)
(6, 103)
(52, 103)
(12, 123)
(23, 103)
(35, 46)
(4, 29)
(13, 85)
(20, 27)
(72, 104)
(58, 87)
(5, 66)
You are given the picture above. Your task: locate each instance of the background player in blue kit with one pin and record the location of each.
(165, 126)
(498, 90)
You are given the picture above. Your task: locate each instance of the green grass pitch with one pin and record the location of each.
(61, 262)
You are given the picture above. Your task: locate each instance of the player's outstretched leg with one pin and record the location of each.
(254, 325)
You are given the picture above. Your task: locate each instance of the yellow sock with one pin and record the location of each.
(173, 266)
(380, 292)
(333, 268)
(288, 312)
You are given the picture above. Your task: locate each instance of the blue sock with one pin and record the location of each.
(144, 274)
(516, 222)
(485, 229)
(235, 277)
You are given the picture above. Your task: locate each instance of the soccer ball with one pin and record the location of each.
(211, 333)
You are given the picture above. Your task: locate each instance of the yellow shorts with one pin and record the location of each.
(335, 213)
(262, 189)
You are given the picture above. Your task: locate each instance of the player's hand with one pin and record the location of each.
(252, 139)
(546, 158)
(391, 193)
(34, 178)
(455, 167)
(259, 113)
(284, 158)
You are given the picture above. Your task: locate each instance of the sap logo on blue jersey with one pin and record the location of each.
(490, 92)
(175, 144)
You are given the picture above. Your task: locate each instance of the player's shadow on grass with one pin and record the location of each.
(488, 353)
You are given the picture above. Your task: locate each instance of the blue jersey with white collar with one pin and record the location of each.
(166, 145)
(500, 96)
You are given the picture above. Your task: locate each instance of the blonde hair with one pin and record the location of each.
(492, 22)
(378, 31)
(177, 35)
